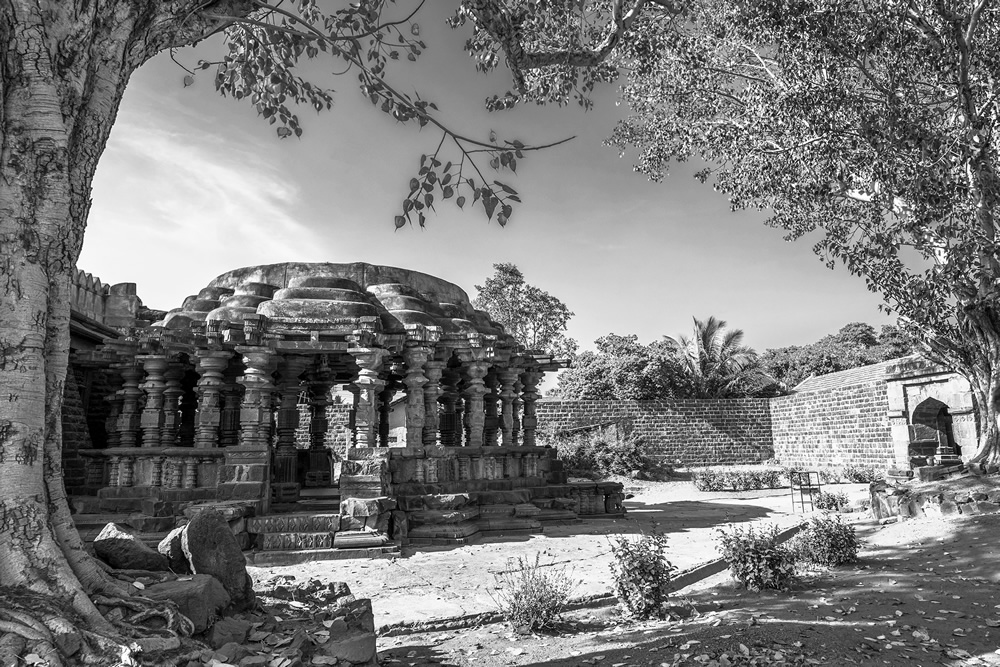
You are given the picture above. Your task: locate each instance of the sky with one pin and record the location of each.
(192, 185)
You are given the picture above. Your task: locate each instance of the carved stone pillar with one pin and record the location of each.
(172, 394)
(255, 409)
(432, 391)
(508, 379)
(384, 404)
(369, 386)
(491, 400)
(516, 408)
(448, 416)
(475, 416)
(111, 423)
(529, 422)
(231, 402)
(416, 407)
(151, 422)
(289, 389)
(211, 366)
(130, 416)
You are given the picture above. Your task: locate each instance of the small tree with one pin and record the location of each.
(717, 363)
(531, 315)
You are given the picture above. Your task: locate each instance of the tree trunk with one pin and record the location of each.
(63, 72)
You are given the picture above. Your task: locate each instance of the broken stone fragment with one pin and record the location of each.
(120, 547)
(170, 548)
(200, 598)
(211, 548)
(228, 631)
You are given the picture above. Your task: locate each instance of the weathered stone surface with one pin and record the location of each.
(346, 539)
(230, 510)
(200, 598)
(170, 548)
(444, 516)
(212, 549)
(365, 507)
(120, 547)
(451, 501)
(399, 526)
(505, 497)
(228, 631)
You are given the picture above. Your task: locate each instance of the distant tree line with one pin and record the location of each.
(713, 363)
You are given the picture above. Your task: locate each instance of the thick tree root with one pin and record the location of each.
(34, 624)
(143, 611)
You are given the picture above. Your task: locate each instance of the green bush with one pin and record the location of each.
(529, 597)
(641, 574)
(826, 540)
(599, 454)
(863, 474)
(834, 502)
(738, 479)
(755, 558)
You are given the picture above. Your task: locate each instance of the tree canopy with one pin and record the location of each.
(856, 344)
(534, 317)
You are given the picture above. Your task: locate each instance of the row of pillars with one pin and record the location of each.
(475, 404)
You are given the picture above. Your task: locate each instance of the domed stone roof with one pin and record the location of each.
(315, 296)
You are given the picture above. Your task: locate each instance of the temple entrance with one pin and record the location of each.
(932, 434)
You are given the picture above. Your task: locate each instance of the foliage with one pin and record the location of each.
(622, 368)
(599, 453)
(717, 363)
(755, 558)
(824, 500)
(871, 126)
(713, 364)
(859, 474)
(530, 597)
(855, 345)
(533, 316)
(826, 540)
(641, 573)
(739, 478)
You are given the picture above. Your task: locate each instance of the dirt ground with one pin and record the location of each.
(924, 593)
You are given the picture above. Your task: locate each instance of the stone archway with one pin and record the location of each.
(931, 430)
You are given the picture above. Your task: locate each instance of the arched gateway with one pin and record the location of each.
(211, 398)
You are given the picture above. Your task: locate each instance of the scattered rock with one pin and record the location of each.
(170, 547)
(120, 547)
(228, 631)
(211, 548)
(200, 598)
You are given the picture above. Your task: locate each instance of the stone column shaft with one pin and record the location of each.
(432, 391)
(129, 419)
(369, 386)
(475, 415)
(416, 409)
(529, 421)
(211, 366)
(172, 394)
(508, 378)
(152, 414)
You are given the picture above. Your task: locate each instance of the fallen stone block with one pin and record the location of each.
(200, 598)
(228, 631)
(120, 547)
(212, 549)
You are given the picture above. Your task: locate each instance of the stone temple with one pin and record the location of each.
(268, 393)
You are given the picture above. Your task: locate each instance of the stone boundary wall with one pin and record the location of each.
(826, 428)
(834, 427)
(696, 432)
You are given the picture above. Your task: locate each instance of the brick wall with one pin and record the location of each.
(696, 432)
(834, 427)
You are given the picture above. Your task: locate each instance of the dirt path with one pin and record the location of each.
(925, 593)
(448, 583)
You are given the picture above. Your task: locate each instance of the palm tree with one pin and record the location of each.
(717, 363)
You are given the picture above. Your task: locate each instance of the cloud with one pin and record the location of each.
(170, 203)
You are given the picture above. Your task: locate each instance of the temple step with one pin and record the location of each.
(507, 525)
(303, 522)
(281, 558)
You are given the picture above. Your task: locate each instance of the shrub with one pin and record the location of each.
(641, 574)
(862, 474)
(831, 501)
(755, 558)
(826, 540)
(530, 598)
(599, 454)
(737, 479)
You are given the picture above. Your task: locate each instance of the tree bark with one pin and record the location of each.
(65, 65)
